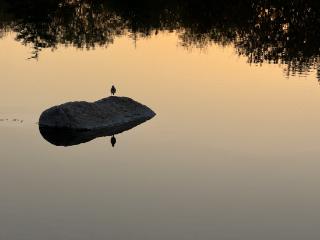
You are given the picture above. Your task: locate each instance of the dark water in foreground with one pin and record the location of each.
(232, 153)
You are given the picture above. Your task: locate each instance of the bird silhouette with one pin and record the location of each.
(113, 90)
(113, 141)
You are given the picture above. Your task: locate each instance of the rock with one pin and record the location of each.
(107, 114)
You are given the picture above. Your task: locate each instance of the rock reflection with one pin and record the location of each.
(278, 32)
(68, 137)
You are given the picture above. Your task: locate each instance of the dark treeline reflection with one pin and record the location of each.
(276, 31)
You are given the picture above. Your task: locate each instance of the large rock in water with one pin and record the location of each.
(106, 114)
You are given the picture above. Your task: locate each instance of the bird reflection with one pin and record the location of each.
(113, 141)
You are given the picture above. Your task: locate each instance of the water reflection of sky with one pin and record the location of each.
(232, 154)
(285, 32)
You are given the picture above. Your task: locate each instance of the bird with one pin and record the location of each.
(113, 90)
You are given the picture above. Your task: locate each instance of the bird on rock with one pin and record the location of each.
(113, 90)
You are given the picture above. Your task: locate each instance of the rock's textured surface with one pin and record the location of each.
(108, 113)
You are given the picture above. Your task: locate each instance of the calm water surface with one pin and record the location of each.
(233, 152)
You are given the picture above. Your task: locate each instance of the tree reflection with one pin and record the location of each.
(264, 31)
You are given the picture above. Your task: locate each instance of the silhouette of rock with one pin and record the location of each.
(108, 114)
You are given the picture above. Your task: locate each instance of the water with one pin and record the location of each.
(232, 153)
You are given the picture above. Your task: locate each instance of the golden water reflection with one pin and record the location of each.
(232, 154)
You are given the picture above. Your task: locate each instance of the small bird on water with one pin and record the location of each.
(113, 90)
